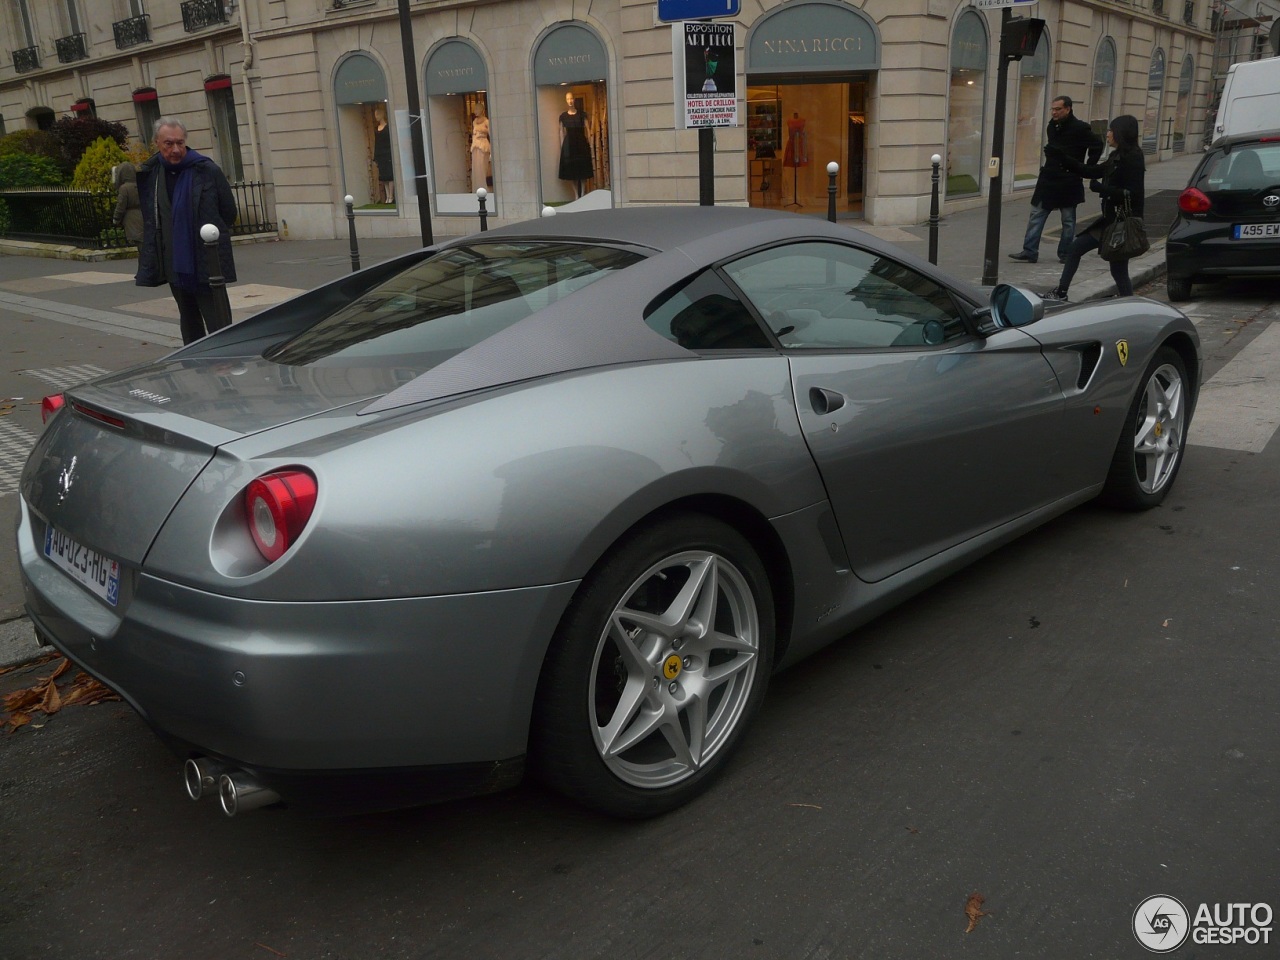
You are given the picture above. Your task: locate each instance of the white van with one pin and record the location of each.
(1250, 99)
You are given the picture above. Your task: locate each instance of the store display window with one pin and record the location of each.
(570, 70)
(461, 128)
(967, 96)
(1033, 91)
(366, 138)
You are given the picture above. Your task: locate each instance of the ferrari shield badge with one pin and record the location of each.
(1122, 351)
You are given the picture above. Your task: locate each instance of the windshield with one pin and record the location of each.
(441, 306)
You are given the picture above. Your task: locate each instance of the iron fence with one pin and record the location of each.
(26, 59)
(133, 31)
(82, 218)
(72, 48)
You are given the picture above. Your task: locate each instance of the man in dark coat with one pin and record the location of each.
(1057, 188)
(180, 191)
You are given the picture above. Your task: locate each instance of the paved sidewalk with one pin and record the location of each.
(100, 299)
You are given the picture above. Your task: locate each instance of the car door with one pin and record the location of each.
(924, 433)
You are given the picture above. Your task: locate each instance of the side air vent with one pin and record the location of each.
(1090, 354)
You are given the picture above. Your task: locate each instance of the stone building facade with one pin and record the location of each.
(298, 93)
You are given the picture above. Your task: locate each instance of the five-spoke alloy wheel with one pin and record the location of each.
(657, 669)
(1149, 451)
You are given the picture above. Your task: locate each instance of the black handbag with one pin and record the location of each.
(1125, 237)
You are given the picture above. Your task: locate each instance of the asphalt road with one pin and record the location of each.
(1080, 721)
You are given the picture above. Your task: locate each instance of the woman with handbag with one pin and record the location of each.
(1120, 181)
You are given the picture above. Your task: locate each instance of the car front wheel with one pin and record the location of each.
(1149, 451)
(657, 669)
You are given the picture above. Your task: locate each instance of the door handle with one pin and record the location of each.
(825, 401)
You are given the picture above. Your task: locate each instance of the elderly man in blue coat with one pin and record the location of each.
(1057, 188)
(182, 190)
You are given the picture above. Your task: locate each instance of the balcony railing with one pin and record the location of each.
(26, 59)
(131, 32)
(72, 48)
(198, 14)
(1189, 13)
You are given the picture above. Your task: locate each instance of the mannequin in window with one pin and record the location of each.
(575, 146)
(481, 150)
(796, 155)
(382, 156)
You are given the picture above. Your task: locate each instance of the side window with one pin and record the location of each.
(704, 314)
(827, 295)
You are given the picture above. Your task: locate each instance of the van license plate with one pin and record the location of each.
(101, 575)
(1255, 231)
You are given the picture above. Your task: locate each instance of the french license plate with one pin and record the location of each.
(1255, 231)
(101, 575)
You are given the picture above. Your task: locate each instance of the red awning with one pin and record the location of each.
(141, 96)
(82, 106)
(217, 83)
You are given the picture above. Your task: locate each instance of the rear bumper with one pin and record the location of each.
(304, 689)
(1207, 250)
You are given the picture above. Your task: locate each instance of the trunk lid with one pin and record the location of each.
(109, 468)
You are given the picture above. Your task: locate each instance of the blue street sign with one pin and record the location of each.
(670, 11)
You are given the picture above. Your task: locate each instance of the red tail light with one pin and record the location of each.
(51, 405)
(1193, 201)
(277, 507)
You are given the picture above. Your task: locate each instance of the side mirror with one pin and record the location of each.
(1015, 306)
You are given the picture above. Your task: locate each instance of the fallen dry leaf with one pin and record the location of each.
(973, 910)
(44, 695)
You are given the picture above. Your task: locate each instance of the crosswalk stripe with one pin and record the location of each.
(15, 445)
(1239, 407)
(60, 378)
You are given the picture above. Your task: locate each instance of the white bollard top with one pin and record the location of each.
(209, 233)
(548, 211)
(833, 168)
(481, 192)
(936, 158)
(348, 199)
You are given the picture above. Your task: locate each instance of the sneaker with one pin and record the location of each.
(1022, 257)
(1055, 294)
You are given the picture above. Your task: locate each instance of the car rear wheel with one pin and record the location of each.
(1179, 288)
(1149, 452)
(657, 669)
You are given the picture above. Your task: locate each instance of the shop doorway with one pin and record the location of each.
(794, 130)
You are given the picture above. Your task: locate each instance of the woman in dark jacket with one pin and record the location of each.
(1122, 175)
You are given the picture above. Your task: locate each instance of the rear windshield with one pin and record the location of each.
(1253, 166)
(441, 306)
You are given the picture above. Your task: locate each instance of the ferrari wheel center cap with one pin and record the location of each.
(671, 667)
(1159, 429)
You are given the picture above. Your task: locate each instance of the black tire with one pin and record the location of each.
(623, 692)
(1178, 288)
(1149, 452)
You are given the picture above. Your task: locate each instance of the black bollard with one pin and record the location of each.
(933, 212)
(351, 231)
(221, 304)
(481, 193)
(833, 169)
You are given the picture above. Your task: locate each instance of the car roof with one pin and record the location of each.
(600, 325)
(1227, 144)
(660, 228)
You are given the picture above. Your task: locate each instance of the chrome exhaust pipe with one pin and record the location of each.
(201, 776)
(239, 793)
